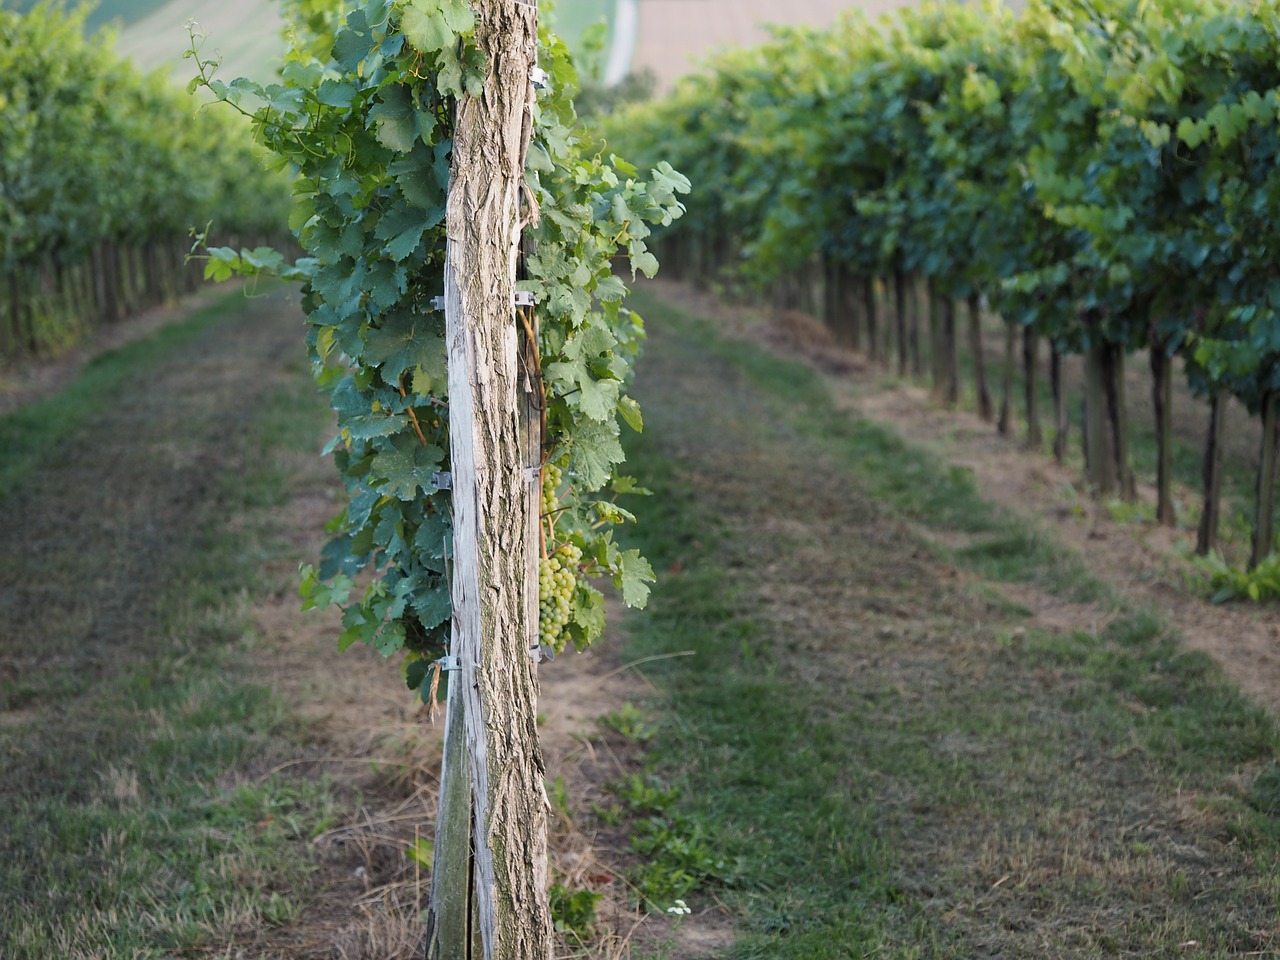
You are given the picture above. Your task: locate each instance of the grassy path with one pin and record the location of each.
(891, 757)
(886, 754)
(136, 733)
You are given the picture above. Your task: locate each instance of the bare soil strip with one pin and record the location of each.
(97, 528)
(21, 385)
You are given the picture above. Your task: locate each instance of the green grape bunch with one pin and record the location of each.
(557, 582)
(558, 568)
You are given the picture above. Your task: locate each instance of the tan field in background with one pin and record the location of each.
(672, 36)
(244, 33)
(675, 36)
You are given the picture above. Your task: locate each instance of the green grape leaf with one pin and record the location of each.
(593, 451)
(404, 466)
(389, 639)
(588, 618)
(434, 537)
(629, 410)
(403, 228)
(406, 342)
(394, 121)
(336, 93)
(433, 606)
(633, 576)
(369, 426)
(432, 25)
(597, 399)
(610, 289)
(353, 43)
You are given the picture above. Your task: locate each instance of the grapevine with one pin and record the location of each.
(98, 197)
(1102, 175)
(364, 113)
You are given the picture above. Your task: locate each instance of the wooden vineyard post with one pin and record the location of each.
(1005, 423)
(1264, 521)
(1099, 460)
(950, 352)
(493, 688)
(901, 308)
(1031, 388)
(871, 312)
(937, 357)
(983, 392)
(1162, 401)
(1118, 421)
(1061, 418)
(1207, 532)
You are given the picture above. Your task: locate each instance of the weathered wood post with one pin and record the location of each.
(493, 693)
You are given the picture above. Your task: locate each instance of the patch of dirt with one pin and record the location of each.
(1146, 561)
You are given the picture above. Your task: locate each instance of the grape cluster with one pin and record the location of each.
(558, 572)
(550, 485)
(557, 580)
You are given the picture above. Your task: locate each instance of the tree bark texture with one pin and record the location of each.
(491, 494)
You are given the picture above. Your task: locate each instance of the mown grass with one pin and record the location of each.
(959, 784)
(912, 481)
(33, 430)
(142, 812)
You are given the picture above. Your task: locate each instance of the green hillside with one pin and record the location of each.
(247, 32)
(104, 12)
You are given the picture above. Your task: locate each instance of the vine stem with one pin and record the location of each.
(413, 417)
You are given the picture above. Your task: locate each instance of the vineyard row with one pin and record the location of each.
(1102, 176)
(104, 175)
